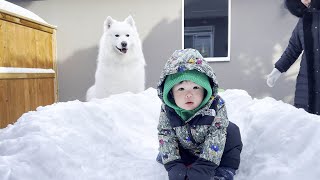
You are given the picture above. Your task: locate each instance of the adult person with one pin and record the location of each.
(305, 39)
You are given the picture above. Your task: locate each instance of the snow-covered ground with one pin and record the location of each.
(116, 138)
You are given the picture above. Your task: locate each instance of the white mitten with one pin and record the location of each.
(273, 77)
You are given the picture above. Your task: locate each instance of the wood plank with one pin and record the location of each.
(25, 21)
(54, 62)
(3, 44)
(15, 101)
(4, 60)
(4, 110)
(43, 51)
(19, 42)
(46, 94)
(18, 96)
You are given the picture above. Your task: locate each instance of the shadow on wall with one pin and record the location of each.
(158, 46)
(254, 38)
(76, 74)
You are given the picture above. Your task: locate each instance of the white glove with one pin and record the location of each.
(273, 77)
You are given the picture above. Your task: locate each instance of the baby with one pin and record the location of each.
(196, 139)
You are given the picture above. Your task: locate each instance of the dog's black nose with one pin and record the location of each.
(124, 44)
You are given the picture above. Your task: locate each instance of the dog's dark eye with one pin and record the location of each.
(117, 35)
(127, 35)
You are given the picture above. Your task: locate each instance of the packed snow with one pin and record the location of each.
(116, 138)
(25, 70)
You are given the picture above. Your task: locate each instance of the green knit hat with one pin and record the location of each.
(190, 75)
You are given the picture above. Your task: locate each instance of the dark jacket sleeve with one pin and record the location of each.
(293, 50)
(201, 169)
(233, 148)
(176, 170)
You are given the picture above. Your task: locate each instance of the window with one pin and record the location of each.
(206, 27)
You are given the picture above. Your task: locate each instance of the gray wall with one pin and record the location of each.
(260, 33)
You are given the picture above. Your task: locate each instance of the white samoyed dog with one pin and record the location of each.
(120, 63)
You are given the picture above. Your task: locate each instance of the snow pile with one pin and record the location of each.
(116, 138)
(280, 141)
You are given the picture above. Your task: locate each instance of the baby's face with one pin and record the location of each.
(188, 95)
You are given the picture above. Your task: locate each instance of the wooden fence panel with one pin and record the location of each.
(18, 96)
(25, 43)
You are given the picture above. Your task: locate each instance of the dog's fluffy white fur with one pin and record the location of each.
(120, 63)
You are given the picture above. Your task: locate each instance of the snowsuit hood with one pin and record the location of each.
(184, 60)
(195, 76)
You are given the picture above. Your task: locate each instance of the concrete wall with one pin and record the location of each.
(260, 33)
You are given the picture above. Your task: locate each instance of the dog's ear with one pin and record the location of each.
(130, 21)
(108, 22)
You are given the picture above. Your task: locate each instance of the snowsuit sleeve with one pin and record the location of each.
(215, 141)
(293, 50)
(168, 142)
(213, 148)
(233, 147)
